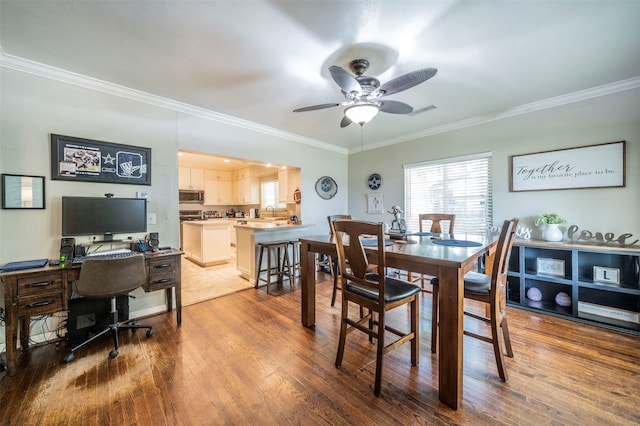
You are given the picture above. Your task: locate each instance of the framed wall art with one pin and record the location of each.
(22, 192)
(593, 166)
(88, 160)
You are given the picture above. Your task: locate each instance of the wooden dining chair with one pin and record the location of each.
(334, 262)
(490, 290)
(432, 222)
(374, 292)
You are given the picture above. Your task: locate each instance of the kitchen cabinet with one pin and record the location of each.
(218, 192)
(246, 191)
(207, 242)
(190, 178)
(601, 284)
(288, 182)
(218, 189)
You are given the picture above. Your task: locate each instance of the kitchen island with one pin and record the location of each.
(251, 233)
(207, 242)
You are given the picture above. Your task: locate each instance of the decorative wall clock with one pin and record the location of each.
(374, 181)
(326, 187)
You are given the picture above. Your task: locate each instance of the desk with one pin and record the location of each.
(449, 264)
(39, 291)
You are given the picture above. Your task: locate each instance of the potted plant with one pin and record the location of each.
(551, 232)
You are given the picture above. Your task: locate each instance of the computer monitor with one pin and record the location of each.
(103, 216)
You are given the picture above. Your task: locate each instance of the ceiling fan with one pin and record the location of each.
(364, 94)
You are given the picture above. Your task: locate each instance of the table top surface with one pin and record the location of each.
(423, 247)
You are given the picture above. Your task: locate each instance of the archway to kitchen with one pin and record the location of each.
(215, 193)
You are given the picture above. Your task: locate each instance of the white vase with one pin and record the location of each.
(552, 233)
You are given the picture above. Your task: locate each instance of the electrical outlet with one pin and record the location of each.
(151, 218)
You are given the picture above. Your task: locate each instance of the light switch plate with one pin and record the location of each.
(151, 218)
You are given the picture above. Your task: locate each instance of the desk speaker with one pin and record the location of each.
(154, 241)
(67, 248)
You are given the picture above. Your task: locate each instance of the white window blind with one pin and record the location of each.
(461, 186)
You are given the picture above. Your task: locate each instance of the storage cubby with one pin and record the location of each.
(601, 284)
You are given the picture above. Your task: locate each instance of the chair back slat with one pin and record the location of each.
(436, 219)
(352, 258)
(335, 217)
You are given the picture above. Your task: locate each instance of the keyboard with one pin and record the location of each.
(110, 254)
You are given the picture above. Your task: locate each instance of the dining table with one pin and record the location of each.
(449, 257)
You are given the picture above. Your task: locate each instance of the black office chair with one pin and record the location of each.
(109, 278)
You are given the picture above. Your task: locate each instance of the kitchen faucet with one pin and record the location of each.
(273, 211)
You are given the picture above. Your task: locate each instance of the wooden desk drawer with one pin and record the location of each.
(41, 304)
(162, 273)
(37, 284)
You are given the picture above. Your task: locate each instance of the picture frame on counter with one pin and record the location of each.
(551, 267)
(606, 275)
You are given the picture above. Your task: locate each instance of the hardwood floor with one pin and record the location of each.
(246, 359)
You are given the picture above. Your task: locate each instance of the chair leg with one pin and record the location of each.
(497, 348)
(507, 338)
(114, 328)
(335, 281)
(434, 318)
(343, 333)
(415, 329)
(380, 354)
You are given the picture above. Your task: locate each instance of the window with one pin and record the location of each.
(461, 186)
(270, 194)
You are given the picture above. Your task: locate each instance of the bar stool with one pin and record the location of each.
(295, 254)
(282, 267)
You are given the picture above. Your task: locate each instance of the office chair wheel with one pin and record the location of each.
(149, 333)
(70, 357)
(113, 353)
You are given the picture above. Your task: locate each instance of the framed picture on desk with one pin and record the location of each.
(22, 192)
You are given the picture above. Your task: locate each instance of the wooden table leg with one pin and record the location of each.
(308, 285)
(451, 333)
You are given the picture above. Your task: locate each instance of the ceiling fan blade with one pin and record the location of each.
(346, 81)
(395, 107)
(315, 107)
(345, 121)
(406, 81)
(421, 110)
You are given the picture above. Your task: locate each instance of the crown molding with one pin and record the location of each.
(41, 70)
(581, 95)
(30, 67)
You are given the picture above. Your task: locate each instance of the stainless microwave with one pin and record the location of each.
(191, 196)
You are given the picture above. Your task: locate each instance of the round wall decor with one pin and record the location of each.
(326, 187)
(374, 181)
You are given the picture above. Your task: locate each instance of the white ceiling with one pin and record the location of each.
(256, 61)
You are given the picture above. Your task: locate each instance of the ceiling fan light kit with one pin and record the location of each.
(361, 113)
(362, 92)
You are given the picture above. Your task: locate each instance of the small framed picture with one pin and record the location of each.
(553, 267)
(606, 275)
(22, 192)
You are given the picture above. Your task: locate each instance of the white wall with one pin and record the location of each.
(599, 120)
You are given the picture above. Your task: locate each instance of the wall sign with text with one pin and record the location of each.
(96, 161)
(594, 166)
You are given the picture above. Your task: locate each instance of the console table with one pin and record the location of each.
(39, 291)
(590, 283)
